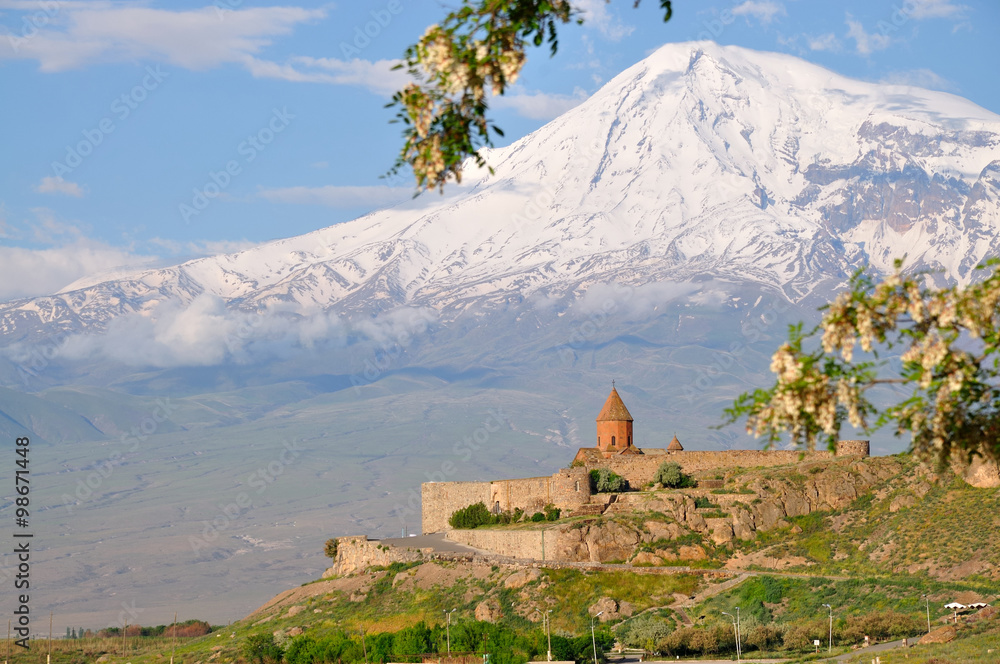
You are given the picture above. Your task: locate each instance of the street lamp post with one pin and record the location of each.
(735, 633)
(548, 633)
(593, 639)
(448, 627)
(739, 635)
(830, 609)
(927, 605)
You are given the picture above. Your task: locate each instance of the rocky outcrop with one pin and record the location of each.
(489, 611)
(940, 635)
(357, 553)
(766, 503)
(606, 609)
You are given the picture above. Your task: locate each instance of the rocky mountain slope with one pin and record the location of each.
(700, 160)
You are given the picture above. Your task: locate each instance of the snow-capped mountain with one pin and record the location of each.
(701, 159)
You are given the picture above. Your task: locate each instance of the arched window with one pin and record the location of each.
(577, 486)
(612, 441)
(630, 440)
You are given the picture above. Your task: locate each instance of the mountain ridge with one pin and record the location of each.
(801, 202)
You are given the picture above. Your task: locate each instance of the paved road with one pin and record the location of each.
(878, 647)
(434, 541)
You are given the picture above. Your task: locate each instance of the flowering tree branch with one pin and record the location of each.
(477, 47)
(949, 340)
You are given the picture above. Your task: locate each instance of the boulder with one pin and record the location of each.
(521, 578)
(489, 611)
(607, 607)
(647, 558)
(940, 635)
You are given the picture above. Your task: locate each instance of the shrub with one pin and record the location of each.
(552, 513)
(670, 475)
(261, 649)
(537, 516)
(704, 503)
(472, 516)
(330, 549)
(604, 480)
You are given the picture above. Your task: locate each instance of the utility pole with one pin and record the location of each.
(593, 639)
(830, 608)
(548, 631)
(48, 657)
(739, 634)
(448, 628)
(173, 647)
(364, 645)
(927, 605)
(735, 633)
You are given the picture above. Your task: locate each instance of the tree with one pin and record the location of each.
(949, 340)
(477, 47)
(670, 475)
(605, 480)
(330, 549)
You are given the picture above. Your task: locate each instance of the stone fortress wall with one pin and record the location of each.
(639, 469)
(569, 489)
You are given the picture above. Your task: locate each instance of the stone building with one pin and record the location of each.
(616, 449)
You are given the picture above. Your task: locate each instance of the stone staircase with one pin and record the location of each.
(590, 509)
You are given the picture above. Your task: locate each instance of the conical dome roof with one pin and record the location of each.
(675, 445)
(614, 409)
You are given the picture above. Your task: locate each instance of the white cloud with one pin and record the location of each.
(920, 78)
(921, 9)
(865, 43)
(763, 10)
(206, 332)
(596, 15)
(338, 196)
(56, 185)
(827, 42)
(78, 34)
(378, 76)
(33, 272)
(538, 105)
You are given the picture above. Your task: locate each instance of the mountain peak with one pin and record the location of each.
(701, 159)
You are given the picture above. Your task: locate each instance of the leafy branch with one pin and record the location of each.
(950, 343)
(479, 46)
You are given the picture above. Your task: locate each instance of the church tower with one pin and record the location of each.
(614, 425)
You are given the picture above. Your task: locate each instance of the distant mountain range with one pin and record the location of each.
(662, 233)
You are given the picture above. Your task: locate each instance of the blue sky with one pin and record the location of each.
(116, 114)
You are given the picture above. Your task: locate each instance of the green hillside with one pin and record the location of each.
(883, 566)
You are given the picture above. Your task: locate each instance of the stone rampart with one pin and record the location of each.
(439, 500)
(529, 544)
(639, 469)
(567, 490)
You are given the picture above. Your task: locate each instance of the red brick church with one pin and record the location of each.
(614, 433)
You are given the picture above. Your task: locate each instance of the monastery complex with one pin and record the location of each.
(569, 489)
